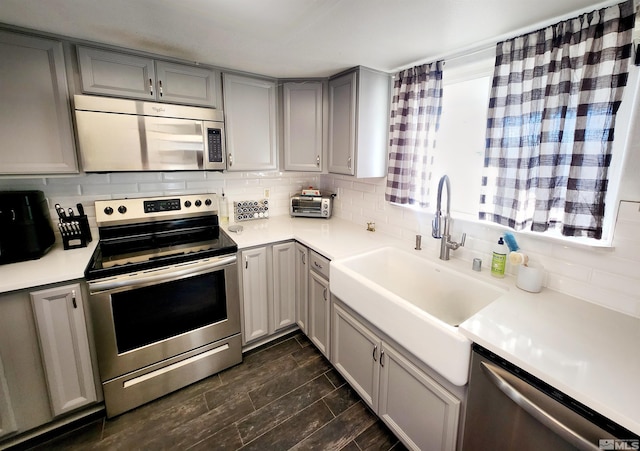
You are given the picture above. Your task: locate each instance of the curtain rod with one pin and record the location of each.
(492, 42)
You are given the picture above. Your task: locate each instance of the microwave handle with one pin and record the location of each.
(161, 275)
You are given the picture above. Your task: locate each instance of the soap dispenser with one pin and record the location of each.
(499, 259)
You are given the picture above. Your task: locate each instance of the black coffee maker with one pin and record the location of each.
(25, 226)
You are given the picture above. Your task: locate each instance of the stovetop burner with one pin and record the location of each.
(142, 242)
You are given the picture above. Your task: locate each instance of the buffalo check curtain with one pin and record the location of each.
(415, 116)
(550, 123)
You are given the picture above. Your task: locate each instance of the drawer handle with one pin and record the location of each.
(317, 265)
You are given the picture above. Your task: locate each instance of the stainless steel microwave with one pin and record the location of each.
(130, 135)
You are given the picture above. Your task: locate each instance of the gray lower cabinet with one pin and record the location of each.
(268, 294)
(48, 371)
(250, 123)
(64, 344)
(319, 308)
(35, 121)
(106, 72)
(420, 411)
(302, 287)
(7, 418)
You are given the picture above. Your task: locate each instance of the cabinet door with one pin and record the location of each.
(116, 74)
(303, 126)
(64, 344)
(319, 312)
(342, 123)
(187, 84)
(302, 287)
(284, 289)
(35, 119)
(7, 418)
(416, 408)
(355, 351)
(250, 122)
(255, 292)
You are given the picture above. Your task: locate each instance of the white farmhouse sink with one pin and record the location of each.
(416, 302)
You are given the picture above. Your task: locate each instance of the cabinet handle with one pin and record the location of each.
(324, 294)
(304, 259)
(246, 263)
(73, 299)
(349, 162)
(375, 348)
(230, 160)
(160, 87)
(317, 265)
(318, 161)
(382, 358)
(150, 87)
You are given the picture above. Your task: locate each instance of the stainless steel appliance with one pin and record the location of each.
(311, 206)
(510, 409)
(129, 135)
(25, 226)
(164, 297)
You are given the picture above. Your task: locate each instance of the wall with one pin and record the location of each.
(68, 191)
(606, 276)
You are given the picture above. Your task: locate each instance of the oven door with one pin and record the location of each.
(144, 318)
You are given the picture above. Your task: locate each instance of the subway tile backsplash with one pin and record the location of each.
(609, 277)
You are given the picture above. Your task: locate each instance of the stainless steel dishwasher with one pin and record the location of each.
(510, 409)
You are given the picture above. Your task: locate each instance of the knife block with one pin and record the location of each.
(75, 231)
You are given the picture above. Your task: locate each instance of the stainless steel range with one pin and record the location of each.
(164, 297)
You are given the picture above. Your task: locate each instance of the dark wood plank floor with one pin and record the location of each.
(282, 396)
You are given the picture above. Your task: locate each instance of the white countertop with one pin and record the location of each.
(586, 351)
(57, 265)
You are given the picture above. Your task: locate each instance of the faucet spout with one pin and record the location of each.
(440, 225)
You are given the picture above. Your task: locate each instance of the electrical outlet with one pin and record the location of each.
(266, 192)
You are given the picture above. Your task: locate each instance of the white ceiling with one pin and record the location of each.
(292, 38)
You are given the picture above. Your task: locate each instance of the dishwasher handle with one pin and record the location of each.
(160, 275)
(499, 379)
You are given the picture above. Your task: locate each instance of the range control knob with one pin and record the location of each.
(198, 203)
(122, 209)
(207, 202)
(108, 211)
(187, 203)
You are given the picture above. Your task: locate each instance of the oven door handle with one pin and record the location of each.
(154, 276)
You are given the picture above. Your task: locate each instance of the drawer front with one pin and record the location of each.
(319, 264)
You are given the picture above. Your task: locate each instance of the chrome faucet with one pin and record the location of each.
(440, 225)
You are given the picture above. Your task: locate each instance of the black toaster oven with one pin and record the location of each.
(25, 226)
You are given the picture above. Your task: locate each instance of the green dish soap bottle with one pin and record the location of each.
(499, 259)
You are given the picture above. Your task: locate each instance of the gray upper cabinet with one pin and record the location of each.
(35, 121)
(302, 124)
(358, 122)
(117, 74)
(250, 123)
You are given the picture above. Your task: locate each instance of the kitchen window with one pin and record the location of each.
(460, 142)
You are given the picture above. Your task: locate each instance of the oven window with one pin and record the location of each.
(150, 314)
